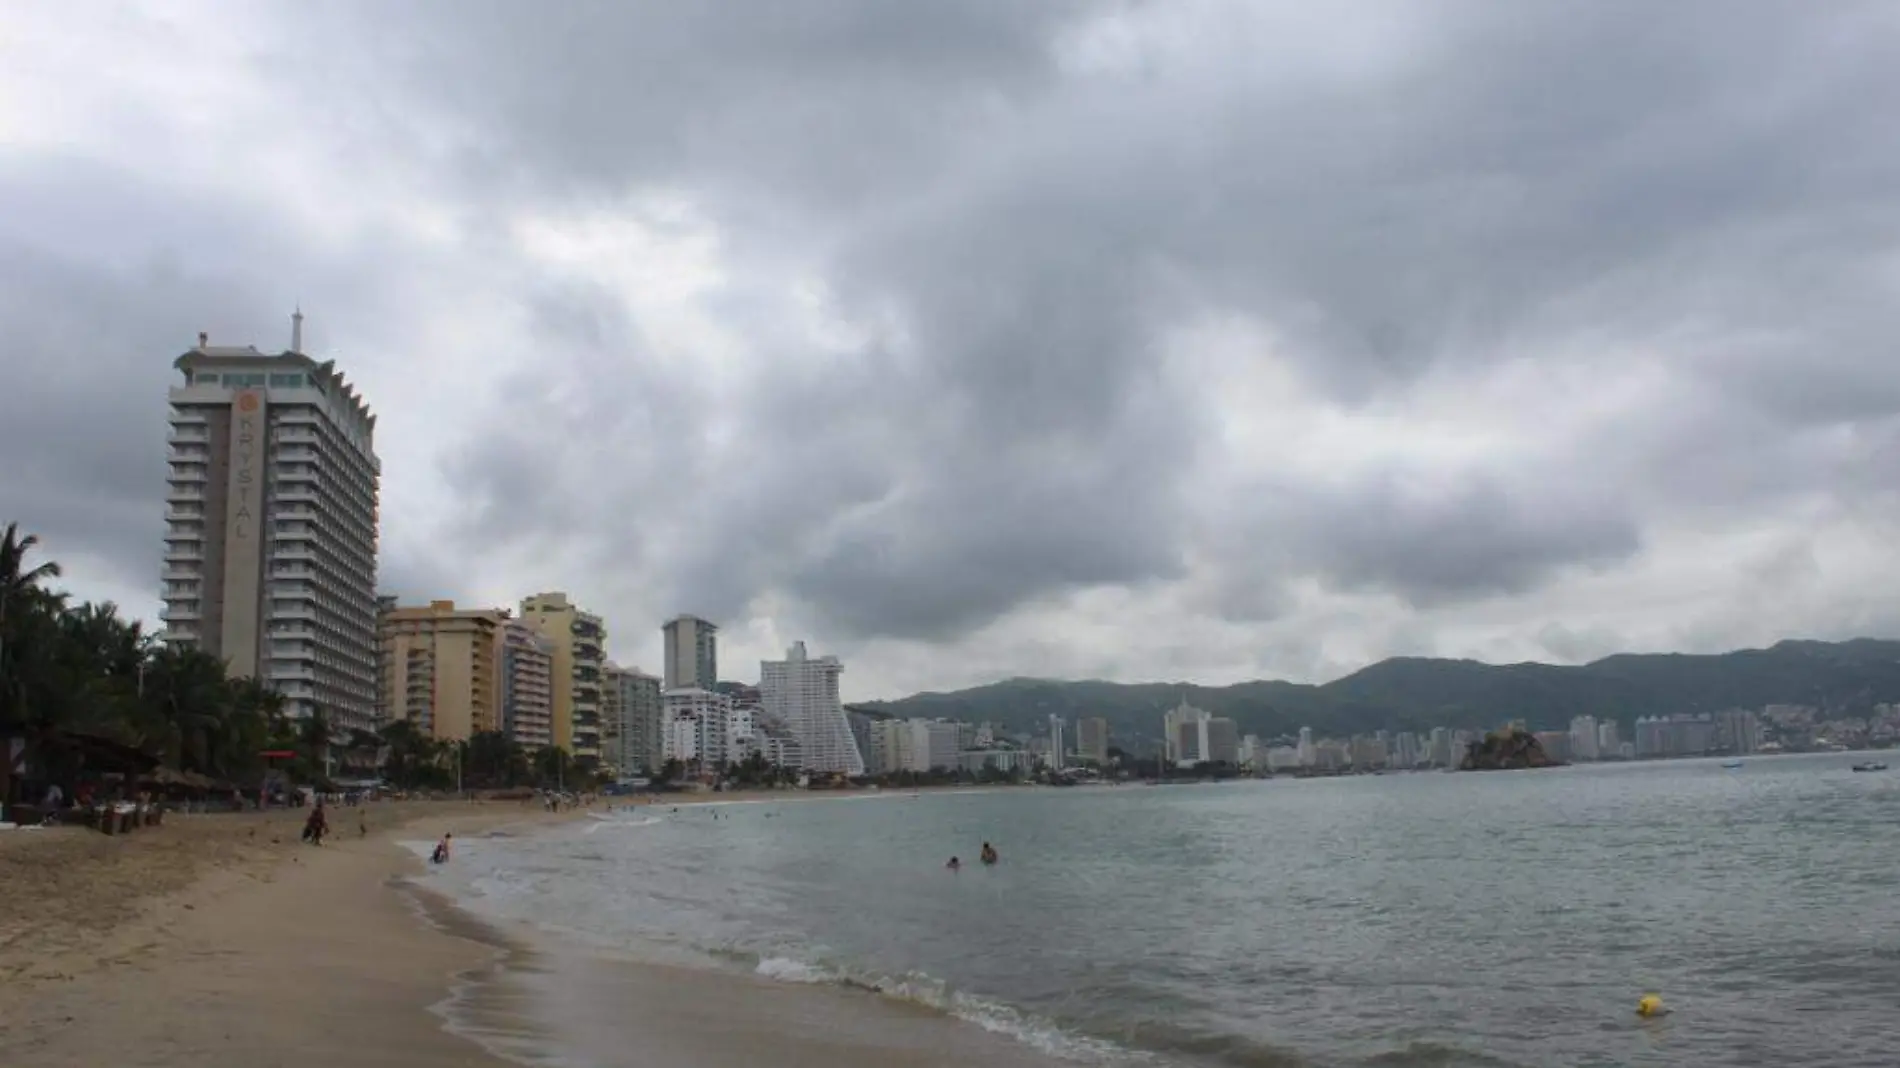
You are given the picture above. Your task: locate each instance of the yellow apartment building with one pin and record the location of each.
(440, 668)
(579, 654)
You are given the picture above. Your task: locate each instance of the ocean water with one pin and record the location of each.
(1427, 919)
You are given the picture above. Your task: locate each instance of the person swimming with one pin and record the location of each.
(989, 853)
(441, 854)
(954, 864)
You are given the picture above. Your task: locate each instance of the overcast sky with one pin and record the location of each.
(1185, 340)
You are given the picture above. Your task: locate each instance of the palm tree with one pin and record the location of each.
(102, 661)
(16, 578)
(25, 608)
(23, 601)
(189, 701)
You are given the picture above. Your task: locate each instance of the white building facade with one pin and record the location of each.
(700, 725)
(271, 508)
(1185, 731)
(1584, 738)
(803, 692)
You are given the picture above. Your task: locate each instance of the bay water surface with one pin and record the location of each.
(1417, 919)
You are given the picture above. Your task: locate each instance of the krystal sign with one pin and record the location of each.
(243, 533)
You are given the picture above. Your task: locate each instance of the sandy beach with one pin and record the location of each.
(223, 939)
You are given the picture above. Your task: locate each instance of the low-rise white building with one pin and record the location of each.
(1283, 758)
(1003, 760)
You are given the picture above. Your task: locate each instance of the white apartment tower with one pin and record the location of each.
(1185, 735)
(692, 654)
(803, 693)
(271, 513)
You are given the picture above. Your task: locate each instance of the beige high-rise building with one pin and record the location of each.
(611, 700)
(692, 654)
(1091, 739)
(526, 662)
(271, 510)
(579, 641)
(442, 670)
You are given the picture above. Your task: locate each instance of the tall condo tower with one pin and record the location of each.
(803, 692)
(692, 654)
(271, 514)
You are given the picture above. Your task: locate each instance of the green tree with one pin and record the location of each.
(495, 760)
(85, 668)
(415, 761)
(554, 769)
(28, 637)
(668, 773)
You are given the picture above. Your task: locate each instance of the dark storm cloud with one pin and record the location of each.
(1394, 194)
(1515, 179)
(831, 99)
(85, 303)
(1434, 545)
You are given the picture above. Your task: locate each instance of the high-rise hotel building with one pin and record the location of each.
(692, 654)
(271, 513)
(801, 691)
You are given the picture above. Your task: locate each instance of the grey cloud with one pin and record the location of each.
(1707, 186)
(1580, 645)
(1517, 179)
(831, 99)
(1434, 543)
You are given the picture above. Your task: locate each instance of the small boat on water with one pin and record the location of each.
(1731, 764)
(1871, 765)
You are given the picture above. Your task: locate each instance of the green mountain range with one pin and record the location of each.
(1417, 694)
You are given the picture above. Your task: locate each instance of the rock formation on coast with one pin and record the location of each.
(1505, 750)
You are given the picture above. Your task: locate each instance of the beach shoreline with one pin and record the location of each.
(567, 992)
(223, 938)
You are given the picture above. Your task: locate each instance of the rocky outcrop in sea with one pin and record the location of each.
(1506, 751)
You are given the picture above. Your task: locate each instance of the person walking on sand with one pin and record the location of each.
(316, 826)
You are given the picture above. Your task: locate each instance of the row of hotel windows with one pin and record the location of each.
(248, 378)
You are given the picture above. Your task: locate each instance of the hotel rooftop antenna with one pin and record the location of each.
(296, 331)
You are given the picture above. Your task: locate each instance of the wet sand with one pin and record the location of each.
(619, 1012)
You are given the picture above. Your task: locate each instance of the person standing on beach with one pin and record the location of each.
(316, 826)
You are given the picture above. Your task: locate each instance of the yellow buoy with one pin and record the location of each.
(1650, 1005)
